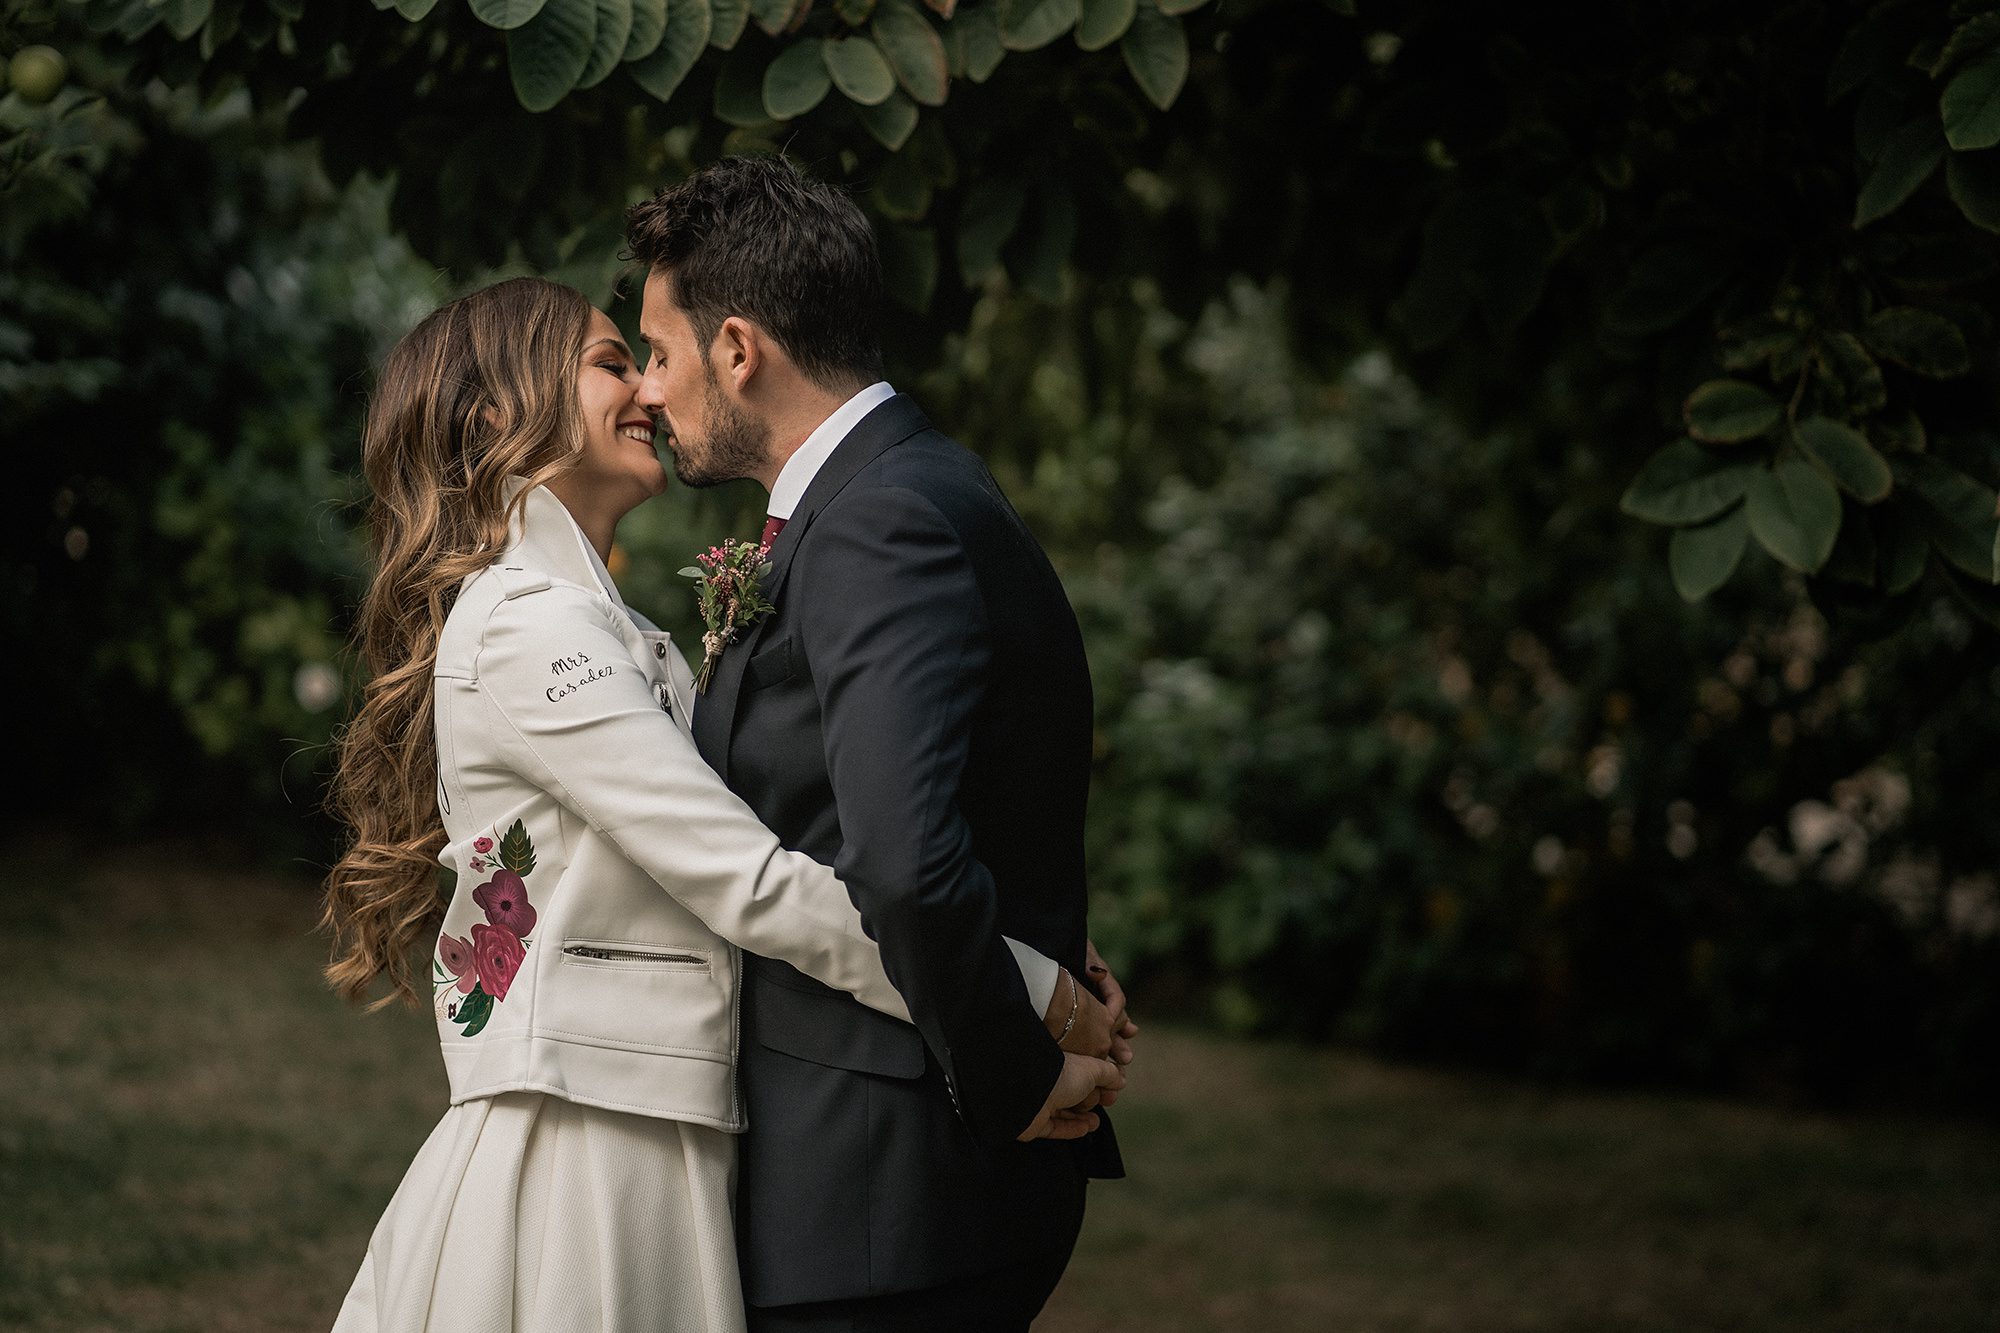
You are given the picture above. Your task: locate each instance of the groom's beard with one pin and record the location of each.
(734, 446)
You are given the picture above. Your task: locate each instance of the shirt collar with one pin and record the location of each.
(806, 461)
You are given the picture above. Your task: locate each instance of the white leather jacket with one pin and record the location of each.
(604, 874)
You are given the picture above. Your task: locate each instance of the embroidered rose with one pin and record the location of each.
(498, 952)
(504, 899)
(482, 845)
(456, 954)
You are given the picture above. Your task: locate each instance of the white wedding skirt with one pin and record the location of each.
(527, 1212)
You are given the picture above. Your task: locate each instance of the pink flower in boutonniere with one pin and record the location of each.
(482, 845)
(726, 585)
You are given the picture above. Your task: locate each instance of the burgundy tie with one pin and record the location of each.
(773, 525)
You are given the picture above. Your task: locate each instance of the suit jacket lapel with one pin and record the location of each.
(894, 421)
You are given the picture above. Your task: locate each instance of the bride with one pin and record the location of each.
(527, 732)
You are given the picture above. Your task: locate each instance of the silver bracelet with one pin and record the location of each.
(1072, 1006)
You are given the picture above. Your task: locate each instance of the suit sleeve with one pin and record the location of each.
(596, 739)
(895, 628)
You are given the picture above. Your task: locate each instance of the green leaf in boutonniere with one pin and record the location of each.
(726, 586)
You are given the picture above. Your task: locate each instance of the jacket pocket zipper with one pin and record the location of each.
(632, 955)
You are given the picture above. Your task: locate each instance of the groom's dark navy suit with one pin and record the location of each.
(916, 713)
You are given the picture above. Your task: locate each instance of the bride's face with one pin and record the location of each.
(619, 467)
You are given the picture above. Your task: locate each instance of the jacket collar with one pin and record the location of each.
(544, 536)
(888, 425)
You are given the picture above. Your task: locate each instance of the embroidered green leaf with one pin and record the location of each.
(517, 850)
(475, 1009)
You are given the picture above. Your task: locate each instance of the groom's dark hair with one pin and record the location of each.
(758, 238)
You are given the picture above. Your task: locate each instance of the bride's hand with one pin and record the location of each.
(1092, 1028)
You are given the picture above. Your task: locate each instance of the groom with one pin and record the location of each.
(916, 713)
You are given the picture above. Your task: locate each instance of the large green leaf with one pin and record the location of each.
(1847, 457)
(773, 16)
(607, 44)
(1156, 51)
(680, 46)
(739, 90)
(1908, 158)
(1850, 374)
(649, 25)
(185, 17)
(506, 13)
(517, 849)
(1971, 105)
(415, 10)
(1918, 340)
(890, 122)
(1976, 36)
(860, 70)
(1104, 22)
(1685, 483)
(546, 55)
(797, 81)
(972, 43)
(1730, 411)
(727, 20)
(1794, 514)
(1702, 559)
(914, 50)
(987, 216)
(1026, 25)
(1956, 513)
(1974, 181)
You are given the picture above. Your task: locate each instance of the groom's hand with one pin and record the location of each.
(1068, 1111)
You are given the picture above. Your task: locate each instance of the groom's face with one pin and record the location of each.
(712, 436)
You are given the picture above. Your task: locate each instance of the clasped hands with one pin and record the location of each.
(1087, 1016)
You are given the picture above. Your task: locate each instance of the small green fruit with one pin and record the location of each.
(37, 73)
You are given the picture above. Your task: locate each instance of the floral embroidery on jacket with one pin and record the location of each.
(471, 975)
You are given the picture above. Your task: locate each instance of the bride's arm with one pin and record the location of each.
(609, 753)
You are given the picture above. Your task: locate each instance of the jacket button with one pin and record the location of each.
(659, 650)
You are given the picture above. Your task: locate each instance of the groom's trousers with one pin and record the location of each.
(1003, 1300)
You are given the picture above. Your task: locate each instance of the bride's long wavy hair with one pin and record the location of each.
(483, 389)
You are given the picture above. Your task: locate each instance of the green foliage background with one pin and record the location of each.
(1333, 349)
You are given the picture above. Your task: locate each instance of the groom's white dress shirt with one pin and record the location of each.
(1041, 974)
(805, 462)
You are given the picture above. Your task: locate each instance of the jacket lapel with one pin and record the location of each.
(894, 421)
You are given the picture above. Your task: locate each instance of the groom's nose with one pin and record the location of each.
(651, 394)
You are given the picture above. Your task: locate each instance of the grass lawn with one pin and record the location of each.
(194, 1135)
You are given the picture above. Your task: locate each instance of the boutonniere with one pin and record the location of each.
(726, 584)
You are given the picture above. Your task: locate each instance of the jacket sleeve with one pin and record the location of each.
(894, 625)
(591, 734)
